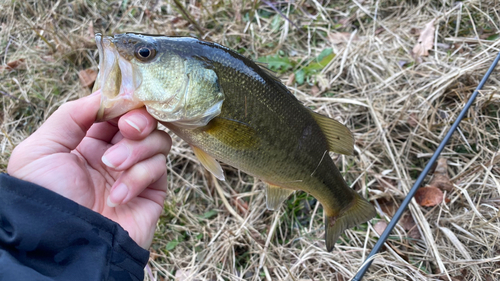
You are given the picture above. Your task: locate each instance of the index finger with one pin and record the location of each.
(137, 124)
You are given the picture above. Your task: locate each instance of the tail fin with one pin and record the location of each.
(358, 212)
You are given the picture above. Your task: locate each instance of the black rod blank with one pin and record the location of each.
(361, 272)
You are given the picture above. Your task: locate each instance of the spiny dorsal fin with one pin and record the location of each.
(271, 74)
(275, 195)
(209, 163)
(340, 139)
(268, 71)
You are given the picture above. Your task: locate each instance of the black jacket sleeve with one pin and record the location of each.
(45, 236)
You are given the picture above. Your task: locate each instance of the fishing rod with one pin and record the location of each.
(361, 272)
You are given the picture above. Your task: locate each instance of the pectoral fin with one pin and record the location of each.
(233, 133)
(209, 163)
(340, 139)
(275, 195)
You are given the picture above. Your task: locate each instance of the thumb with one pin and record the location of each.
(68, 125)
(64, 129)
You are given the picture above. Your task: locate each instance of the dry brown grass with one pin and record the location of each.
(398, 110)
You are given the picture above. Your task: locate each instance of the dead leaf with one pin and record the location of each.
(409, 225)
(443, 46)
(441, 178)
(425, 41)
(341, 37)
(315, 90)
(346, 21)
(290, 79)
(87, 77)
(413, 120)
(387, 206)
(429, 196)
(16, 64)
(380, 226)
(182, 275)
(386, 183)
(322, 82)
(91, 29)
(454, 278)
(340, 277)
(379, 30)
(48, 58)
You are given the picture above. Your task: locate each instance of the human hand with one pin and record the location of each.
(116, 168)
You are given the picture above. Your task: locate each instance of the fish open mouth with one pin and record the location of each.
(116, 79)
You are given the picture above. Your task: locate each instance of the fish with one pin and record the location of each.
(230, 109)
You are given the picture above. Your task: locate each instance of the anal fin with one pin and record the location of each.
(275, 195)
(209, 163)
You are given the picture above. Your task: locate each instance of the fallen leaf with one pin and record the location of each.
(322, 82)
(429, 196)
(290, 79)
(341, 37)
(386, 183)
(387, 206)
(380, 226)
(16, 64)
(379, 30)
(315, 90)
(441, 178)
(409, 225)
(181, 275)
(413, 119)
(455, 278)
(340, 277)
(425, 41)
(346, 21)
(91, 29)
(48, 58)
(175, 20)
(443, 46)
(87, 77)
(402, 63)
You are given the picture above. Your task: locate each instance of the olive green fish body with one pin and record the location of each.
(266, 132)
(229, 108)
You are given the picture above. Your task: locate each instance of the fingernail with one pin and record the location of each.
(117, 195)
(137, 121)
(115, 156)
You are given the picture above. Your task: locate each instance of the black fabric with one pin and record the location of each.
(45, 236)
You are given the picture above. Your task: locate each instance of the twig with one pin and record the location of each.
(188, 18)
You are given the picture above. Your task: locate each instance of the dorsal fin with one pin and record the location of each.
(269, 72)
(340, 139)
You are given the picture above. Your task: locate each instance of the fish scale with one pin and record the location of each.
(259, 127)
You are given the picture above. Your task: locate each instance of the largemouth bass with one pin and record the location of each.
(230, 109)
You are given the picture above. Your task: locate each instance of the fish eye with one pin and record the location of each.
(145, 53)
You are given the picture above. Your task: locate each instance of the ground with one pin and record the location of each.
(397, 73)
